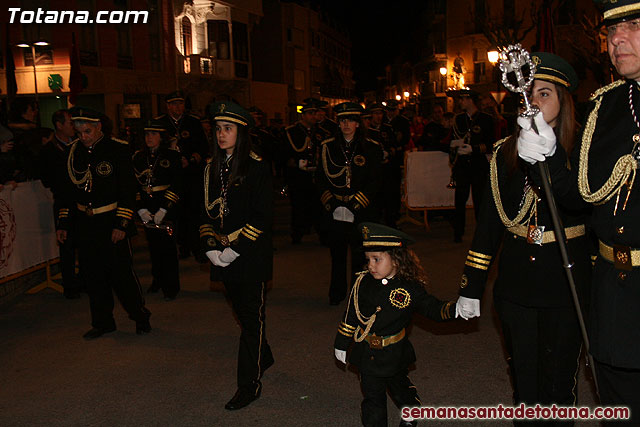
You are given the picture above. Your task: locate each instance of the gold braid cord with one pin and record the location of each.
(218, 201)
(530, 196)
(326, 158)
(624, 168)
(359, 335)
(72, 172)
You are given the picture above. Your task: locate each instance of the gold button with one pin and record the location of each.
(532, 258)
(621, 230)
(622, 276)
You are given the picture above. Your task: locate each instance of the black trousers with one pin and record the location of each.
(619, 387)
(107, 268)
(305, 203)
(70, 280)
(254, 353)
(343, 235)
(188, 210)
(374, 389)
(543, 346)
(471, 176)
(164, 261)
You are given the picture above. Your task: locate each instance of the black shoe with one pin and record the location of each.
(244, 396)
(404, 423)
(169, 297)
(71, 294)
(94, 333)
(143, 328)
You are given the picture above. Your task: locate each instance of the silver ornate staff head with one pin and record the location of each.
(514, 60)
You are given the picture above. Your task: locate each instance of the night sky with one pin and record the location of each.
(381, 33)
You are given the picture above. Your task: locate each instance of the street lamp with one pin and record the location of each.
(33, 58)
(406, 94)
(443, 79)
(398, 97)
(493, 56)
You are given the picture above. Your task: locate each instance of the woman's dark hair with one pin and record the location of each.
(240, 160)
(565, 130)
(408, 265)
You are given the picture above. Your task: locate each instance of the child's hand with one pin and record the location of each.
(341, 355)
(467, 308)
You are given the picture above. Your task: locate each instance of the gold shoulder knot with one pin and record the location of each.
(327, 140)
(373, 141)
(606, 88)
(499, 143)
(120, 141)
(254, 156)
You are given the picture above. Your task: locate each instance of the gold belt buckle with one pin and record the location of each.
(89, 211)
(622, 257)
(375, 342)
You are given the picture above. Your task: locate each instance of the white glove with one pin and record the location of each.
(159, 216)
(467, 308)
(302, 164)
(228, 256)
(532, 146)
(145, 215)
(341, 355)
(464, 149)
(214, 257)
(343, 214)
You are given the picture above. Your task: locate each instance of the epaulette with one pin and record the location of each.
(606, 88)
(327, 140)
(120, 141)
(161, 116)
(254, 156)
(362, 273)
(499, 143)
(373, 141)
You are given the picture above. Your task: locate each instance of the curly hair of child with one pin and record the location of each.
(408, 265)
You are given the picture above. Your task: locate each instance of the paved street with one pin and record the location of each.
(184, 371)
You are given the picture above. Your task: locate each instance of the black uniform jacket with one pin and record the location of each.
(53, 166)
(385, 136)
(615, 296)
(250, 205)
(112, 181)
(398, 300)
(529, 274)
(480, 129)
(302, 143)
(192, 141)
(329, 126)
(365, 162)
(159, 179)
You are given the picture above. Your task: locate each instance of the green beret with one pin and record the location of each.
(618, 10)
(85, 114)
(554, 69)
(178, 95)
(230, 112)
(348, 109)
(154, 125)
(380, 238)
(375, 106)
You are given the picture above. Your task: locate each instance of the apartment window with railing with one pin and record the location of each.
(218, 39)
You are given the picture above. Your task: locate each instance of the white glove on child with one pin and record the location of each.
(214, 257)
(341, 355)
(228, 256)
(465, 149)
(145, 215)
(534, 147)
(159, 216)
(467, 308)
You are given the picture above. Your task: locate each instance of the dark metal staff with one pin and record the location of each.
(515, 59)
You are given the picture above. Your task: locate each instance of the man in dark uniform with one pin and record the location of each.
(98, 204)
(473, 138)
(194, 149)
(159, 174)
(54, 175)
(392, 162)
(302, 140)
(323, 121)
(348, 178)
(263, 141)
(608, 154)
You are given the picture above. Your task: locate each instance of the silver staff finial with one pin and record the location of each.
(515, 59)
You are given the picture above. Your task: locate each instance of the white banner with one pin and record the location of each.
(27, 230)
(427, 175)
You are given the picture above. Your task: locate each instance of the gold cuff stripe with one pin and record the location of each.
(255, 230)
(345, 334)
(206, 226)
(125, 210)
(347, 326)
(248, 236)
(363, 196)
(478, 266)
(444, 311)
(250, 232)
(207, 233)
(361, 199)
(478, 260)
(479, 255)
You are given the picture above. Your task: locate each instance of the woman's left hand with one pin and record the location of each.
(228, 256)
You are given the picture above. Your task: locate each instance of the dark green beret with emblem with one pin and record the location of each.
(554, 69)
(154, 125)
(346, 109)
(230, 112)
(379, 238)
(178, 95)
(85, 114)
(618, 10)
